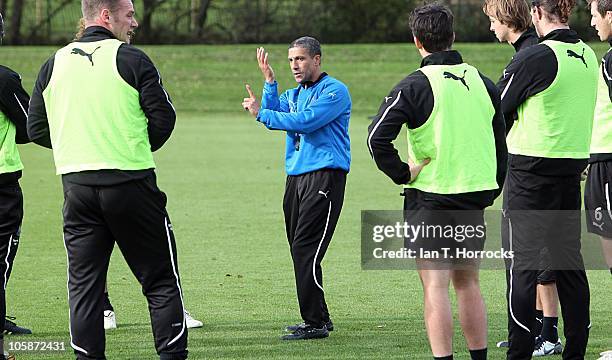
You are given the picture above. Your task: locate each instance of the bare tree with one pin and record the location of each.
(149, 7)
(200, 17)
(46, 21)
(15, 22)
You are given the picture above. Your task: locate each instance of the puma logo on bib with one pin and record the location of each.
(77, 51)
(448, 75)
(570, 53)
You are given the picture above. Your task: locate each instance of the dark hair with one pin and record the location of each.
(602, 6)
(512, 13)
(556, 9)
(309, 43)
(432, 25)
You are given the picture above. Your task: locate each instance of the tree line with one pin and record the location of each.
(253, 21)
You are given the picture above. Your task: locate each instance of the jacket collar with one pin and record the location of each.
(96, 33)
(450, 57)
(564, 35)
(308, 84)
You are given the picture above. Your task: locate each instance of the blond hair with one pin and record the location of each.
(91, 8)
(513, 13)
(80, 29)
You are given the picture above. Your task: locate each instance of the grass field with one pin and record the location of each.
(224, 177)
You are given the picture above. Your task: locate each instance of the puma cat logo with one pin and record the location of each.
(78, 51)
(448, 75)
(570, 53)
(600, 226)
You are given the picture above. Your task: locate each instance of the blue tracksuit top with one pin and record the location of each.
(316, 119)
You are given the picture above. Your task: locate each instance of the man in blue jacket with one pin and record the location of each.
(315, 116)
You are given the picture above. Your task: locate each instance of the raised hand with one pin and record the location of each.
(264, 66)
(250, 103)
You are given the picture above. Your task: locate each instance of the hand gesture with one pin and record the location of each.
(250, 104)
(266, 69)
(415, 169)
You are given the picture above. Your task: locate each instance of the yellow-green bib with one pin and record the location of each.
(601, 141)
(557, 122)
(9, 156)
(458, 135)
(95, 118)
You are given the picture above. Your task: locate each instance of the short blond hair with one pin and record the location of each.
(513, 13)
(91, 8)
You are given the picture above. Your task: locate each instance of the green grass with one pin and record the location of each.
(224, 177)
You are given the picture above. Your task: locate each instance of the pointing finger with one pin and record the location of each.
(248, 87)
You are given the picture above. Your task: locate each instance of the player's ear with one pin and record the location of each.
(538, 13)
(417, 43)
(105, 15)
(609, 17)
(317, 59)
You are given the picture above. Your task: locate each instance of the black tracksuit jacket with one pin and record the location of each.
(413, 109)
(531, 71)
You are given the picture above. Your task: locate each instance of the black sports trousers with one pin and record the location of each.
(133, 215)
(597, 199)
(11, 214)
(526, 231)
(312, 205)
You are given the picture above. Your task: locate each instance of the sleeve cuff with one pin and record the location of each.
(260, 115)
(267, 84)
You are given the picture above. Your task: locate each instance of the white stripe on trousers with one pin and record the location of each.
(74, 346)
(608, 200)
(177, 282)
(511, 279)
(314, 261)
(6, 261)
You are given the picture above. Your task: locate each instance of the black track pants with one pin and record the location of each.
(526, 231)
(312, 205)
(133, 215)
(11, 214)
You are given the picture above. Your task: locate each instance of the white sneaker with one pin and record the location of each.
(543, 347)
(109, 320)
(191, 322)
(606, 355)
